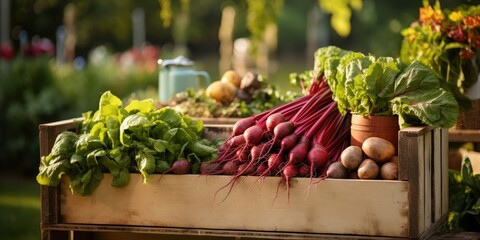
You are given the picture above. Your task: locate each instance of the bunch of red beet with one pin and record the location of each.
(298, 139)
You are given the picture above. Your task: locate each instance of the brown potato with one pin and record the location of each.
(351, 157)
(389, 171)
(232, 77)
(337, 170)
(221, 91)
(368, 169)
(353, 174)
(378, 149)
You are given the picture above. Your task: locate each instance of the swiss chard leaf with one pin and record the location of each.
(418, 93)
(134, 126)
(86, 182)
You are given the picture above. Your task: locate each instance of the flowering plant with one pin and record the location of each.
(448, 41)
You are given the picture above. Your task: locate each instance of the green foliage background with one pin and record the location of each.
(34, 91)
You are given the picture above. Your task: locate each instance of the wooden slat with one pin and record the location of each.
(117, 232)
(464, 135)
(437, 174)
(335, 206)
(427, 178)
(410, 151)
(445, 141)
(50, 201)
(404, 155)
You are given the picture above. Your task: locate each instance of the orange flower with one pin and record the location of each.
(471, 21)
(430, 15)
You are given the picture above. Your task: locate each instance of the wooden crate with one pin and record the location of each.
(192, 207)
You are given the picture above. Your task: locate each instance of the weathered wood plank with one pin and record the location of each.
(410, 152)
(361, 207)
(437, 174)
(427, 178)
(444, 150)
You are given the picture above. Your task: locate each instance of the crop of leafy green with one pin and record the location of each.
(197, 104)
(369, 85)
(464, 199)
(121, 140)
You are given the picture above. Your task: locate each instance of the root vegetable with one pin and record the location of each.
(181, 166)
(351, 157)
(253, 135)
(246, 169)
(288, 142)
(289, 172)
(337, 170)
(230, 168)
(274, 162)
(232, 77)
(273, 120)
(368, 169)
(304, 170)
(353, 174)
(222, 92)
(209, 167)
(378, 149)
(299, 152)
(241, 125)
(389, 171)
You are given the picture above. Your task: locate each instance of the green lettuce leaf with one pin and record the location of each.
(418, 94)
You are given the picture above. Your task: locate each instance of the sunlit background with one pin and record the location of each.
(58, 57)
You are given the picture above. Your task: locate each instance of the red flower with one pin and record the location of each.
(6, 51)
(457, 34)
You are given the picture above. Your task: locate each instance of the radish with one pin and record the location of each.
(230, 168)
(261, 169)
(209, 167)
(243, 154)
(317, 158)
(273, 120)
(246, 170)
(253, 135)
(236, 141)
(288, 142)
(274, 162)
(241, 125)
(288, 172)
(303, 170)
(180, 166)
(299, 152)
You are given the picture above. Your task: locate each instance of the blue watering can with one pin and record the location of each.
(177, 75)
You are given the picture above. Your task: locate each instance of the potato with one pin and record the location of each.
(389, 171)
(353, 174)
(378, 149)
(351, 157)
(221, 91)
(232, 77)
(368, 169)
(337, 170)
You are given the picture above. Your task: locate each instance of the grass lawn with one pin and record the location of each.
(19, 209)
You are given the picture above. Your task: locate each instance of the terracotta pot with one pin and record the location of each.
(385, 127)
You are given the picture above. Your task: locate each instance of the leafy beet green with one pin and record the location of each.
(120, 140)
(369, 85)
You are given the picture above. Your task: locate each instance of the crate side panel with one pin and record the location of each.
(405, 148)
(427, 178)
(437, 175)
(444, 161)
(361, 207)
(410, 153)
